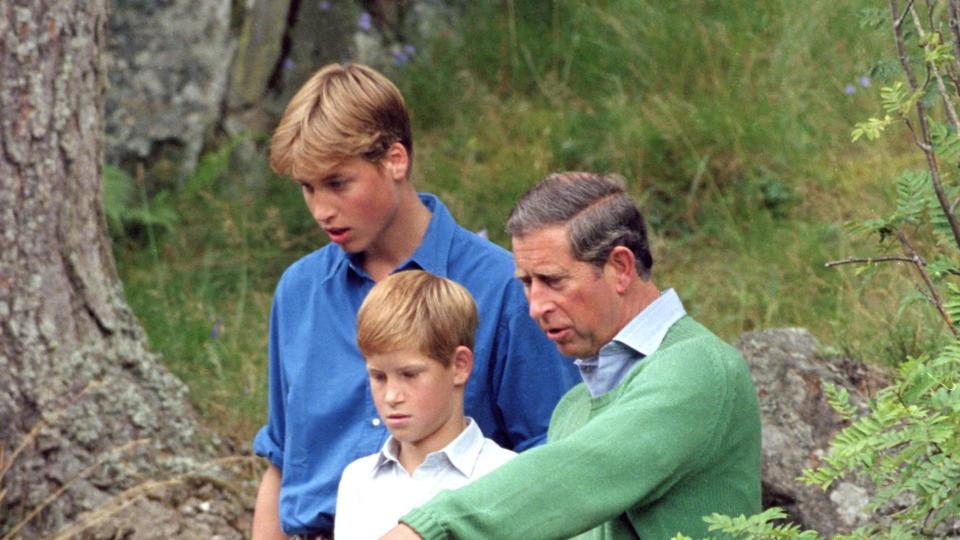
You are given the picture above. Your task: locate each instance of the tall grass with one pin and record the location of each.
(729, 120)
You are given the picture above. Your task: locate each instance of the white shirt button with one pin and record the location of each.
(375, 422)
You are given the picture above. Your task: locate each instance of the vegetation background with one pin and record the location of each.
(730, 120)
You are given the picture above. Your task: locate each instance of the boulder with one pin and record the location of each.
(259, 51)
(167, 64)
(788, 368)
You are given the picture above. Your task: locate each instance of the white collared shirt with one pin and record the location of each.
(641, 337)
(375, 491)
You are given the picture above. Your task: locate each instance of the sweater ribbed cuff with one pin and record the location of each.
(426, 524)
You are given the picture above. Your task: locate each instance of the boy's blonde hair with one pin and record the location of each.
(341, 112)
(417, 309)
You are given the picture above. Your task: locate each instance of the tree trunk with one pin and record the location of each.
(86, 412)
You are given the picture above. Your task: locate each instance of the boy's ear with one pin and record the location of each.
(396, 161)
(462, 364)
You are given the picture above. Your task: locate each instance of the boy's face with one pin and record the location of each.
(355, 202)
(420, 400)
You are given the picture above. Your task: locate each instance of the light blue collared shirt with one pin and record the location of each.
(641, 337)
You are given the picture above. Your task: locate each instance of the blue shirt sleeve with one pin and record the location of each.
(269, 440)
(531, 375)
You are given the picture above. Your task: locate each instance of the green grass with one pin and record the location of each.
(727, 118)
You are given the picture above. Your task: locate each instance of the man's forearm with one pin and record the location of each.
(266, 514)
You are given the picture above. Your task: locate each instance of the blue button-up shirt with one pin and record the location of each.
(321, 414)
(641, 337)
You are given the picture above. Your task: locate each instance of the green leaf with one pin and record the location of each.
(894, 99)
(945, 141)
(839, 399)
(879, 226)
(951, 303)
(872, 128)
(941, 267)
(912, 190)
(938, 218)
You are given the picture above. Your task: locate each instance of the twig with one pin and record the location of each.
(867, 260)
(913, 133)
(897, 21)
(919, 264)
(129, 496)
(41, 423)
(932, 67)
(955, 30)
(56, 494)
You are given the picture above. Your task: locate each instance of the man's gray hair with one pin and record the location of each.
(600, 215)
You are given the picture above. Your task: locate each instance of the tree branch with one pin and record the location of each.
(919, 264)
(867, 260)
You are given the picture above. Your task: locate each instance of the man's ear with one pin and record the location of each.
(396, 161)
(622, 265)
(462, 364)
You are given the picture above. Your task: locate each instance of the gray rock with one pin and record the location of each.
(788, 370)
(259, 52)
(322, 32)
(167, 66)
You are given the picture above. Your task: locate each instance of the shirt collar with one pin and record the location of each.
(641, 337)
(645, 332)
(462, 452)
(431, 255)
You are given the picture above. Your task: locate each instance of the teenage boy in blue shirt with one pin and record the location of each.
(345, 138)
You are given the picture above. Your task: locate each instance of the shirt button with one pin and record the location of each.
(375, 422)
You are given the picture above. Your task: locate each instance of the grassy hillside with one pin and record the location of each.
(730, 120)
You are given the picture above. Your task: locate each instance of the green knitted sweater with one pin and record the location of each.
(677, 439)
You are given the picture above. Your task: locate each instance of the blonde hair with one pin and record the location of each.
(417, 309)
(341, 112)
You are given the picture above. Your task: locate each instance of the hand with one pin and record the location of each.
(401, 532)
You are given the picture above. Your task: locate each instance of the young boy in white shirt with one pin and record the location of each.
(416, 333)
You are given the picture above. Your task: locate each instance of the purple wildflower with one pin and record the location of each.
(849, 89)
(365, 22)
(324, 5)
(864, 81)
(288, 64)
(402, 55)
(215, 329)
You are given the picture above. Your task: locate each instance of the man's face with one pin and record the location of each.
(575, 303)
(354, 203)
(417, 397)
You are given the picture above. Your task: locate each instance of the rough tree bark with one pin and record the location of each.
(89, 419)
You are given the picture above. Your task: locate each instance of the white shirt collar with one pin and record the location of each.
(461, 452)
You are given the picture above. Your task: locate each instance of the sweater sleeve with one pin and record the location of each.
(657, 429)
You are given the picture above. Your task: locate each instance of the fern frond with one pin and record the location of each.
(912, 192)
(839, 399)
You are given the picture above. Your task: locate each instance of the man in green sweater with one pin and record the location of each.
(665, 428)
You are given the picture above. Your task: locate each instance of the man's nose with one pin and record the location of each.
(540, 303)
